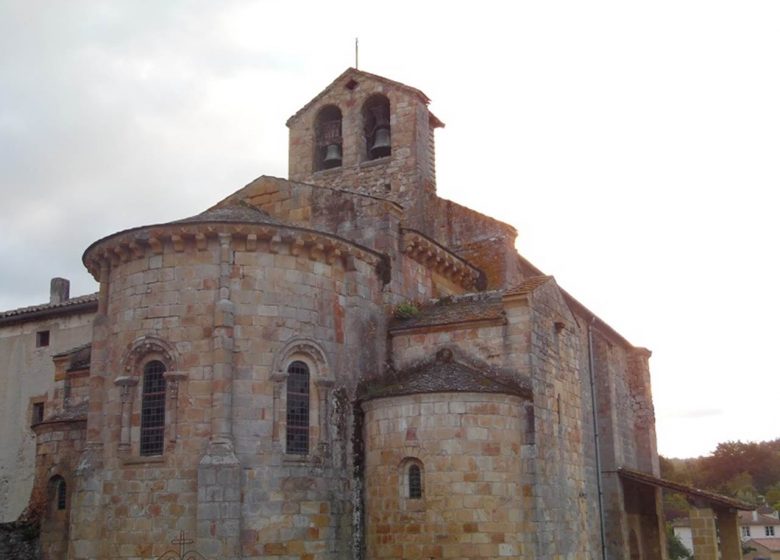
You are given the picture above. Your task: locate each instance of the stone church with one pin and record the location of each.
(339, 364)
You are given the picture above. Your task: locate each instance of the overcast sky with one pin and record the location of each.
(633, 145)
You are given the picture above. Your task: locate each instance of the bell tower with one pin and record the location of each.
(368, 134)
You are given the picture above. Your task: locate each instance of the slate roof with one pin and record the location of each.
(239, 212)
(449, 311)
(72, 305)
(444, 374)
(80, 357)
(528, 285)
(70, 414)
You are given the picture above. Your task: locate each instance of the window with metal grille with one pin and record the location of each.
(298, 408)
(415, 482)
(153, 409)
(58, 491)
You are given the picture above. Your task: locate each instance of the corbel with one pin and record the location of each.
(178, 243)
(251, 242)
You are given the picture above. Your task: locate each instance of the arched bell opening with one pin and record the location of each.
(376, 121)
(328, 142)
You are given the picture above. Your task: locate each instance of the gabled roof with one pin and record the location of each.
(444, 374)
(355, 73)
(80, 304)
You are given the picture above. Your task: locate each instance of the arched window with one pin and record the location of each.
(376, 122)
(153, 409)
(298, 406)
(415, 482)
(58, 492)
(328, 146)
(411, 478)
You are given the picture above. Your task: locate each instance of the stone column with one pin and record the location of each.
(324, 389)
(172, 379)
(87, 529)
(219, 471)
(279, 379)
(705, 537)
(126, 386)
(728, 529)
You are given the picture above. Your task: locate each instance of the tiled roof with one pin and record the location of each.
(450, 311)
(711, 497)
(70, 305)
(770, 543)
(444, 374)
(746, 518)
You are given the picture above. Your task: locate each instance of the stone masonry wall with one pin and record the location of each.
(246, 496)
(406, 175)
(27, 375)
(468, 447)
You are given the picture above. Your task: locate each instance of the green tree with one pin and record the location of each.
(675, 506)
(674, 546)
(773, 496)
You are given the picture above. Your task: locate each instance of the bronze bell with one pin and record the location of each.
(332, 156)
(381, 145)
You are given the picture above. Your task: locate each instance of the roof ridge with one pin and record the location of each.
(49, 306)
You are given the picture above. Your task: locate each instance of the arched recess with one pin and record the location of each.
(376, 126)
(299, 359)
(328, 143)
(56, 518)
(149, 387)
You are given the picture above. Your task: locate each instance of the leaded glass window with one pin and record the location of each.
(153, 409)
(298, 408)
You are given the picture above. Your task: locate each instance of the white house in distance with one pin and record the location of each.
(757, 526)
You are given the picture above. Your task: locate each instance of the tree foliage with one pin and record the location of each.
(749, 471)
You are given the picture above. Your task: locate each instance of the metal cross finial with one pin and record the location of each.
(181, 541)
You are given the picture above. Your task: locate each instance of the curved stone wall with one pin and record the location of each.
(467, 447)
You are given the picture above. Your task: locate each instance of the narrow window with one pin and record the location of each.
(58, 492)
(37, 413)
(415, 482)
(376, 122)
(328, 138)
(298, 408)
(41, 339)
(62, 494)
(769, 531)
(745, 531)
(153, 409)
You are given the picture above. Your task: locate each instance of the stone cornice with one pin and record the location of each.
(433, 256)
(150, 240)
